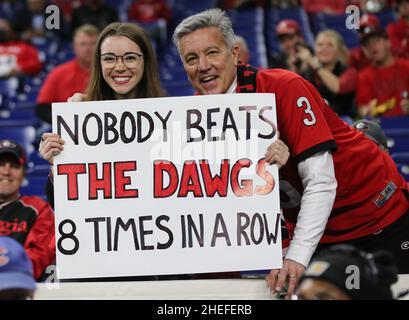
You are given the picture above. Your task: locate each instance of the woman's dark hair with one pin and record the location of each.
(148, 87)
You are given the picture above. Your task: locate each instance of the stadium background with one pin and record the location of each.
(19, 122)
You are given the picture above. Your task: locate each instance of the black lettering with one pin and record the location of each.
(164, 124)
(124, 138)
(144, 232)
(110, 127)
(252, 227)
(120, 224)
(96, 222)
(190, 125)
(224, 233)
(241, 228)
(139, 116)
(268, 234)
(99, 128)
(72, 135)
(191, 226)
(211, 124)
(273, 127)
(160, 226)
(248, 118)
(228, 116)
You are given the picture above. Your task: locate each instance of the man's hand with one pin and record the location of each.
(277, 153)
(290, 273)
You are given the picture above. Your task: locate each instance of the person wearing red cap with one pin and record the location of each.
(289, 37)
(399, 31)
(27, 219)
(382, 87)
(358, 58)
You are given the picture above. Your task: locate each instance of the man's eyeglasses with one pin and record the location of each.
(130, 60)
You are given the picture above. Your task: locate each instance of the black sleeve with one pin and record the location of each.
(49, 192)
(43, 111)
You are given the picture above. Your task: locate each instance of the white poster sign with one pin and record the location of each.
(166, 186)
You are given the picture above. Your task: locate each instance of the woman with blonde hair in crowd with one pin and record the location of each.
(329, 72)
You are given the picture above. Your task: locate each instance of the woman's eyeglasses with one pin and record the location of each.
(130, 60)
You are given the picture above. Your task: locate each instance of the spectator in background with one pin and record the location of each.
(94, 12)
(358, 57)
(239, 4)
(399, 31)
(327, 7)
(27, 219)
(16, 271)
(152, 15)
(16, 57)
(373, 131)
(30, 23)
(282, 4)
(67, 6)
(8, 9)
(244, 53)
(290, 39)
(328, 72)
(331, 270)
(382, 87)
(69, 77)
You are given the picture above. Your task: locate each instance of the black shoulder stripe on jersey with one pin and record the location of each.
(246, 78)
(329, 145)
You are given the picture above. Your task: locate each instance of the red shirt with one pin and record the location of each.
(399, 36)
(308, 126)
(30, 221)
(62, 82)
(24, 55)
(384, 84)
(149, 11)
(358, 59)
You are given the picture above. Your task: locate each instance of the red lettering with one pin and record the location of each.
(121, 181)
(96, 184)
(160, 166)
(246, 188)
(267, 176)
(72, 170)
(218, 183)
(190, 180)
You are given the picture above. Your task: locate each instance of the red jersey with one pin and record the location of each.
(386, 85)
(22, 55)
(398, 33)
(30, 221)
(370, 193)
(65, 80)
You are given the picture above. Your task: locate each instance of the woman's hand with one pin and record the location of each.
(51, 145)
(77, 97)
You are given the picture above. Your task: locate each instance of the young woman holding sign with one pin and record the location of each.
(124, 67)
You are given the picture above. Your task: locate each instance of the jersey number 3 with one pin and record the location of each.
(303, 102)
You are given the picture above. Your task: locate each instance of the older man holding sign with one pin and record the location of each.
(166, 186)
(337, 185)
